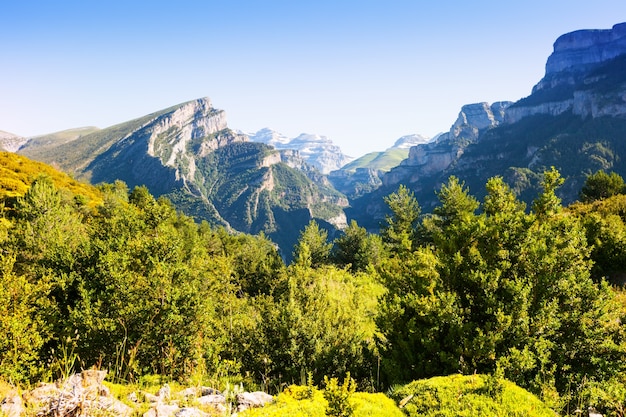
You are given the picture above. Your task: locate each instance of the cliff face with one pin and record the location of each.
(582, 64)
(429, 158)
(10, 142)
(574, 120)
(578, 50)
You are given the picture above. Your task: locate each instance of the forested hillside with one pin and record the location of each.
(114, 278)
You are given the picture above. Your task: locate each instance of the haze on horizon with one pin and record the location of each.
(362, 73)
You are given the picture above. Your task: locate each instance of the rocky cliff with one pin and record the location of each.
(437, 156)
(581, 64)
(10, 142)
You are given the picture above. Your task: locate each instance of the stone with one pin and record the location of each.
(191, 412)
(212, 399)
(162, 410)
(164, 393)
(12, 406)
(78, 396)
(209, 391)
(255, 399)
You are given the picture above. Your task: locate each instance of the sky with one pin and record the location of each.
(362, 73)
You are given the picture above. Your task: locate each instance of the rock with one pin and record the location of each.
(189, 392)
(212, 399)
(12, 406)
(255, 399)
(78, 396)
(151, 398)
(164, 393)
(209, 391)
(162, 410)
(586, 47)
(316, 150)
(10, 142)
(191, 412)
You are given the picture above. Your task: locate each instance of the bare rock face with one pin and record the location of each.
(426, 159)
(10, 142)
(584, 47)
(581, 63)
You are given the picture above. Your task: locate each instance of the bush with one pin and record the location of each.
(295, 402)
(474, 395)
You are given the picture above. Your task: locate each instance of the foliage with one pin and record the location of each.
(339, 396)
(313, 247)
(501, 290)
(601, 185)
(24, 331)
(471, 395)
(134, 286)
(357, 249)
(292, 402)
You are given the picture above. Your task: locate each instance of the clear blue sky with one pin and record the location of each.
(362, 73)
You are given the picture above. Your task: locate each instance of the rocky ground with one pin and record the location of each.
(84, 394)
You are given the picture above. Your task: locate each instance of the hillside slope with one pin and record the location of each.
(188, 153)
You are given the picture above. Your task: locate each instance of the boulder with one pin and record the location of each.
(80, 395)
(12, 406)
(255, 399)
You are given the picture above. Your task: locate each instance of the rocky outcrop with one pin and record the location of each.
(81, 395)
(316, 150)
(10, 142)
(429, 158)
(576, 51)
(84, 395)
(581, 61)
(475, 118)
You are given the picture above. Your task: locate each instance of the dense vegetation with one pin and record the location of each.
(115, 278)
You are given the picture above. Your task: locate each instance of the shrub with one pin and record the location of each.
(474, 395)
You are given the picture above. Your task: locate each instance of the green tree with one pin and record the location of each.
(22, 324)
(400, 231)
(501, 290)
(313, 246)
(601, 185)
(357, 248)
(548, 203)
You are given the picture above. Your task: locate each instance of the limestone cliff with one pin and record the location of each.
(10, 142)
(437, 156)
(582, 61)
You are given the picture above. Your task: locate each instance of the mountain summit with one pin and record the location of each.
(188, 154)
(317, 150)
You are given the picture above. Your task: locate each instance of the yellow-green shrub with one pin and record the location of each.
(473, 395)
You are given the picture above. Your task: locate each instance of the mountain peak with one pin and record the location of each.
(408, 141)
(316, 150)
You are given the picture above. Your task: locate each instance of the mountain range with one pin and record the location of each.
(574, 119)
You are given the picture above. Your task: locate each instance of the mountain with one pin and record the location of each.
(364, 174)
(574, 119)
(10, 142)
(316, 150)
(188, 154)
